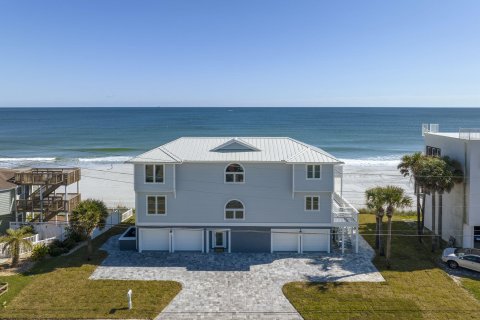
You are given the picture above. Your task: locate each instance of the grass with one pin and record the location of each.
(415, 287)
(60, 288)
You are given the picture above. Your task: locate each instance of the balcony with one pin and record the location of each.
(52, 204)
(344, 214)
(47, 176)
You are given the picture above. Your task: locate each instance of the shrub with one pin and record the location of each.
(56, 251)
(39, 252)
(56, 243)
(75, 234)
(69, 243)
(28, 229)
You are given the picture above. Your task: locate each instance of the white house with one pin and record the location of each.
(461, 207)
(239, 195)
(7, 199)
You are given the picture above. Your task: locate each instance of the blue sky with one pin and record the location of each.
(240, 53)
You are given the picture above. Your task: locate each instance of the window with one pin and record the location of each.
(234, 173)
(472, 258)
(312, 203)
(154, 173)
(314, 171)
(234, 210)
(156, 205)
(433, 152)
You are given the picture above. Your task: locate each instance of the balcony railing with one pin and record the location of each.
(343, 212)
(56, 203)
(469, 133)
(47, 176)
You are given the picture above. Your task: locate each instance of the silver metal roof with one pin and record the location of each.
(241, 149)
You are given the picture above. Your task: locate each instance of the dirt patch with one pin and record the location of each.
(24, 265)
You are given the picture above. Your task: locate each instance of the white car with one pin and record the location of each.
(465, 258)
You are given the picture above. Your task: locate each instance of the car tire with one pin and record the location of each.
(452, 264)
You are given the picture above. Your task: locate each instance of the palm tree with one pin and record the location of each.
(452, 174)
(429, 174)
(376, 201)
(14, 241)
(395, 198)
(408, 167)
(88, 215)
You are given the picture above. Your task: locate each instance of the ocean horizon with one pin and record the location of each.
(89, 136)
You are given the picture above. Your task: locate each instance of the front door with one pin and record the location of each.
(219, 239)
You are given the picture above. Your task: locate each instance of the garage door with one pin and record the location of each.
(154, 239)
(187, 239)
(285, 240)
(315, 239)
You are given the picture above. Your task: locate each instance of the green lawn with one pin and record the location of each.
(60, 288)
(415, 287)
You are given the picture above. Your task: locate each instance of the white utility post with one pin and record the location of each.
(129, 297)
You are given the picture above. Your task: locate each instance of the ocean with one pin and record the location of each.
(87, 136)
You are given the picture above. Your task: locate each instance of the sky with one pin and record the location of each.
(264, 53)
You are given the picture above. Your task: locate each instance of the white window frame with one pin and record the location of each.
(305, 203)
(154, 167)
(234, 174)
(234, 211)
(314, 165)
(156, 205)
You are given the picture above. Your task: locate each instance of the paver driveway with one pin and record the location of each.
(235, 285)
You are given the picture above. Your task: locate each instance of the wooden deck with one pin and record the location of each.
(48, 176)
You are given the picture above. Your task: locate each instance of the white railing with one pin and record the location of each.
(343, 212)
(432, 127)
(127, 214)
(45, 241)
(23, 249)
(469, 133)
(45, 229)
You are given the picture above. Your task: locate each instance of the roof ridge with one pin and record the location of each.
(297, 154)
(170, 154)
(314, 148)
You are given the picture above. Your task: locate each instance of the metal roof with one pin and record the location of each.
(5, 179)
(219, 149)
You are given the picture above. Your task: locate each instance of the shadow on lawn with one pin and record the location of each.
(78, 258)
(408, 254)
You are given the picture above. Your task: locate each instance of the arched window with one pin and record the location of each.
(234, 173)
(234, 210)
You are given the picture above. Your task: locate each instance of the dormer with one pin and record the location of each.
(235, 145)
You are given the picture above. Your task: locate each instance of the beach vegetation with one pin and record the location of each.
(437, 176)
(394, 198)
(409, 167)
(375, 200)
(88, 215)
(39, 252)
(14, 241)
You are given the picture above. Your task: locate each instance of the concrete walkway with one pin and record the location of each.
(236, 285)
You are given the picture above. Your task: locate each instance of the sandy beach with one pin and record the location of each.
(113, 183)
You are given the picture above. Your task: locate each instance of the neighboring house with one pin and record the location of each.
(461, 207)
(239, 195)
(7, 199)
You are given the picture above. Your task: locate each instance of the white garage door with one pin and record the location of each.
(187, 239)
(285, 240)
(315, 239)
(154, 239)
